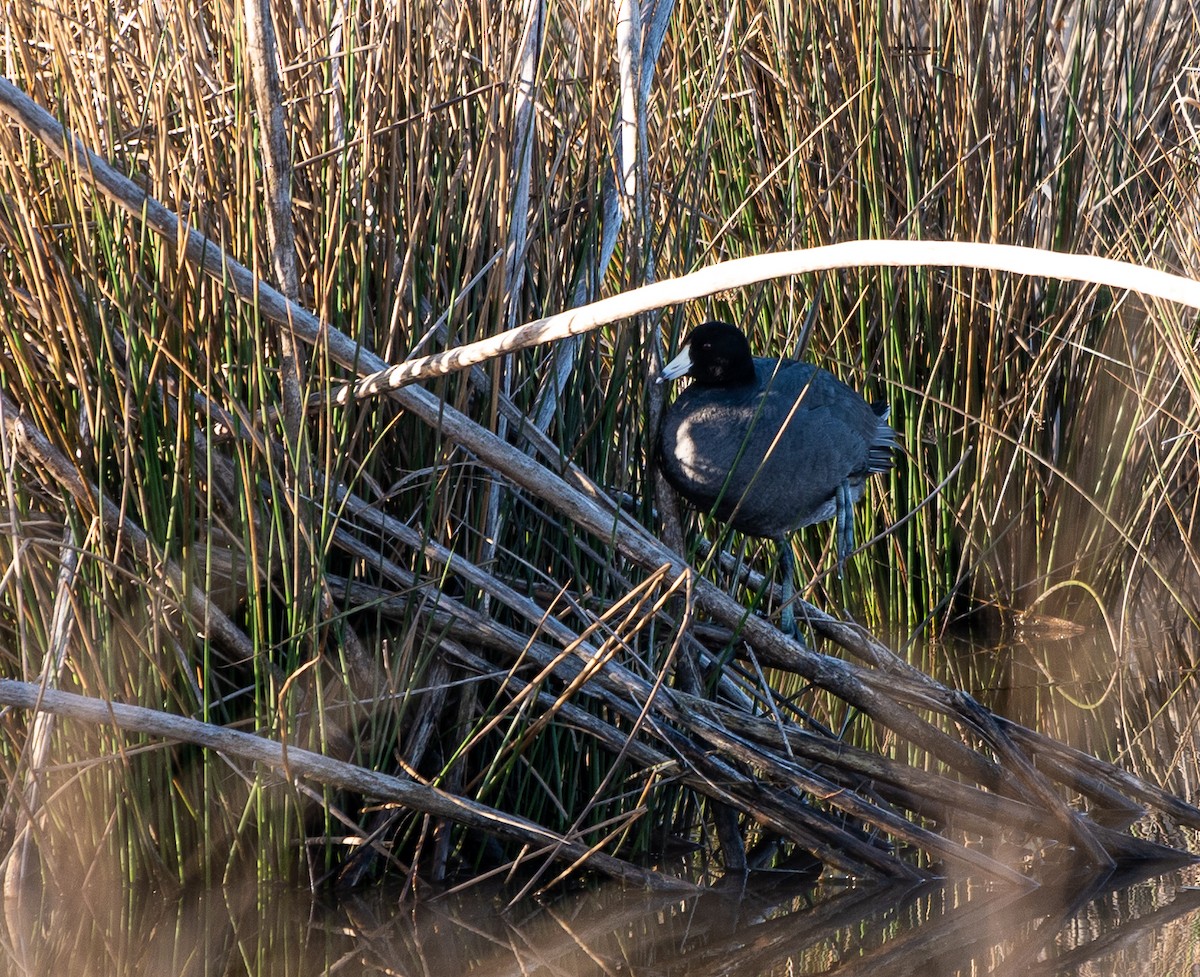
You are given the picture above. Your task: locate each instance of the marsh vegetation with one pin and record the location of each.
(459, 584)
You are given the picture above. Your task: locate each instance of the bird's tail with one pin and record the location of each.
(880, 455)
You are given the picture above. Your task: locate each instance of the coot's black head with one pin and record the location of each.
(716, 354)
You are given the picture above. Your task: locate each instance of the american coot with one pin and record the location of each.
(768, 445)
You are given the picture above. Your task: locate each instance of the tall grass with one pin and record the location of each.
(771, 126)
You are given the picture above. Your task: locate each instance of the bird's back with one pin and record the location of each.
(768, 458)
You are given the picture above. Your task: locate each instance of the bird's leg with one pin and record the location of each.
(845, 524)
(787, 621)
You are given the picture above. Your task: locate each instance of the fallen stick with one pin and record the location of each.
(292, 762)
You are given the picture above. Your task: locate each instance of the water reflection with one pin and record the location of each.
(1132, 703)
(765, 928)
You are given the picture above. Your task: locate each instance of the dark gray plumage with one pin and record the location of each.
(769, 445)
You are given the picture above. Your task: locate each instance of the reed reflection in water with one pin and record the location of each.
(767, 927)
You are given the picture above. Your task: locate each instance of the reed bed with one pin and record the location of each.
(430, 631)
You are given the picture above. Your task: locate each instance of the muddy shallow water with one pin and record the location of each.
(772, 926)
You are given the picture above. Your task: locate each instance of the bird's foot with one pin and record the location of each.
(845, 524)
(787, 618)
(787, 622)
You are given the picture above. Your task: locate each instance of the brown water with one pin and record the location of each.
(767, 928)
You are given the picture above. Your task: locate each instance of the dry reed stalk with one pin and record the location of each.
(625, 176)
(656, 711)
(23, 801)
(35, 447)
(292, 762)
